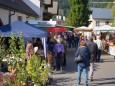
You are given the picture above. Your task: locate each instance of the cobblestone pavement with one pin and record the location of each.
(104, 72)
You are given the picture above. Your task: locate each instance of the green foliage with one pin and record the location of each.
(109, 5)
(79, 13)
(113, 15)
(112, 21)
(63, 7)
(101, 4)
(3, 52)
(37, 71)
(34, 68)
(17, 52)
(113, 10)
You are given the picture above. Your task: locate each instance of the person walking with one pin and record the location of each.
(65, 50)
(93, 50)
(84, 52)
(29, 50)
(58, 51)
(99, 44)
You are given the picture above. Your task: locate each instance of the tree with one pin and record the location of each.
(78, 14)
(113, 10)
(113, 15)
(109, 5)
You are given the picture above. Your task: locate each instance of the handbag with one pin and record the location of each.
(78, 59)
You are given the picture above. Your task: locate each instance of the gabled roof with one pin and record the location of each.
(18, 6)
(101, 13)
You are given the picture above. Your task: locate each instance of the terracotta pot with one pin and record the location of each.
(20, 84)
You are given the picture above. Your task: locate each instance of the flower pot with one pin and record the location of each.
(20, 84)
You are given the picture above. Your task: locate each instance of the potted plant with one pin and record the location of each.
(16, 59)
(34, 70)
(37, 71)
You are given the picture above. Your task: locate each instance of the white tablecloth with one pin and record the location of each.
(111, 50)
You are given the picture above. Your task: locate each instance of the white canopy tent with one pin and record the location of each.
(104, 28)
(85, 30)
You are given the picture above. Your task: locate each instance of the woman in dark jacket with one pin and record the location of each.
(84, 52)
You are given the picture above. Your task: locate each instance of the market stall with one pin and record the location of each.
(103, 29)
(27, 71)
(107, 34)
(28, 32)
(84, 30)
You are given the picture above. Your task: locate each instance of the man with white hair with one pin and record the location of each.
(99, 44)
(93, 50)
(59, 50)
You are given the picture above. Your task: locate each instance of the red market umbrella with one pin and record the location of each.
(57, 29)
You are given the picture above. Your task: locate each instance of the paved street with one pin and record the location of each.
(104, 72)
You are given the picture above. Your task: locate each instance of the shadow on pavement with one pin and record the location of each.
(61, 82)
(104, 81)
(108, 60)
(71, 66)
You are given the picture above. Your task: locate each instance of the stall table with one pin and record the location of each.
(111, 50)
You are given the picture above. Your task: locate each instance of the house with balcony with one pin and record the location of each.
(51, 9)
(37, 6)
(41, 7)
(13, 10)
(100, 17)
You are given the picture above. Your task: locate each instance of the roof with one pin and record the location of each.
(27, 30)
(42, 0)
(101, 13)
(17, 5)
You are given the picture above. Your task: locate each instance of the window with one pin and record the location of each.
(20, 18)
(97, 23)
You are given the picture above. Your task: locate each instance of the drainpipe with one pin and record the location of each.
(10, 15)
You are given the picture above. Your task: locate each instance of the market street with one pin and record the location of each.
(104, 72)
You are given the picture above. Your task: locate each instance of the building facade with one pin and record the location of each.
(13, 10)
(100, 17)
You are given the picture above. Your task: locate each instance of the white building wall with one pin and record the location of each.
(4, 16)
(15, 17)
(101, 22)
